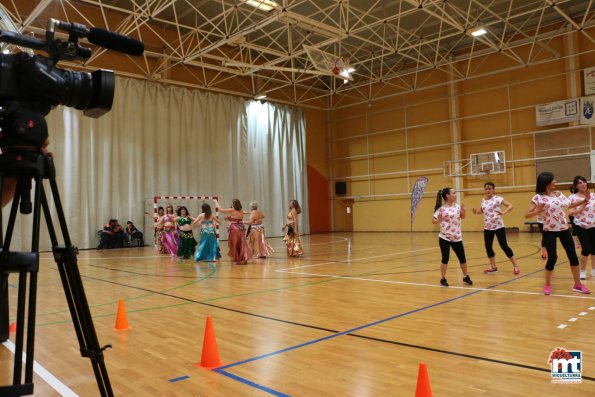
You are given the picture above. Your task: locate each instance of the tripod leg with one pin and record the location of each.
(18, 356)
(31, 311)
(75, 294)
(4, 327)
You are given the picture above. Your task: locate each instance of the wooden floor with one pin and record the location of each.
(354, 317)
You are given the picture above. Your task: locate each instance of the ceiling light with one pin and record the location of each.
(347, 72)
(264, 5)
(260, 96)
(477, 31)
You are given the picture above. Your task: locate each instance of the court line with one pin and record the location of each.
(487, 359)
(178, 379)
(44, 374)
(205, 302)
(280, 394)
(451, 287)
(366, 258)
(250, 383)
(286, 270)
(213, 270)
(105, 258)
(281, 247)
(353, 260)
(222, 369)
(392, 254)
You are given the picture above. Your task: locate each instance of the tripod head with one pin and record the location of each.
(23, 132)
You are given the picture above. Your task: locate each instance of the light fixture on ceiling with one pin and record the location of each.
(264, 5)
(260, 96)
(346, 72)
(477, 31)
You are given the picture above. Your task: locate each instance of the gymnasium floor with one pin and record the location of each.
(354, 317)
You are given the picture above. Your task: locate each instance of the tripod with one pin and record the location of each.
(27, 164)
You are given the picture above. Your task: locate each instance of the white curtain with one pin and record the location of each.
(161, 140)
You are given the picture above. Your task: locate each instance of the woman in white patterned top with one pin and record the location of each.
(550, 204)
(584, 223)
(449, 216)
(491, 208)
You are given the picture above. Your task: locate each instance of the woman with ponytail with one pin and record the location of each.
(549, 203)
(449, 215)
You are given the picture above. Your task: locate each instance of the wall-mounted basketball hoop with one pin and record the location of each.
(478, 164)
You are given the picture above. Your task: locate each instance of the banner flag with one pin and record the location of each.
(418, 191)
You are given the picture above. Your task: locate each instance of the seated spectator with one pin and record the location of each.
(134, 233)
(112, 235)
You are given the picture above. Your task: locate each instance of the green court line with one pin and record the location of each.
(212, 272)
(112, 314)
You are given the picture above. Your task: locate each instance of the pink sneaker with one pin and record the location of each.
(491, 270)
(582, 288)
(516, 270)
(547, 289)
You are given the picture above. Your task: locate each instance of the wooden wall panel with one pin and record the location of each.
(414, 132)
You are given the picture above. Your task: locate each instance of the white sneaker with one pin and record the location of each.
(584, 274)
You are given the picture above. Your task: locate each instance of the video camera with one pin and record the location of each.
(30, 85)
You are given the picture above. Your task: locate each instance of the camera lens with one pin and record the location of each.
(91, 92)
(47, 84)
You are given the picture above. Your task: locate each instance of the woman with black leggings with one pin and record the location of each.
(584, 223)
(550, 204)
(449, 217)
(539, 221)
(491, 208)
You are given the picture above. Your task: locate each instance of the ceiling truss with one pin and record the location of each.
(230, 46)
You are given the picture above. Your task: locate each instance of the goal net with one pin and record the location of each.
(192, 203)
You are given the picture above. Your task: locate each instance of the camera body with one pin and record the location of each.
(31, 85)
(34, 79)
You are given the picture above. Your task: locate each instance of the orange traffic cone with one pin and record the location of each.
(12, 328)
(210, 354)
(121, 320)
(423, 388)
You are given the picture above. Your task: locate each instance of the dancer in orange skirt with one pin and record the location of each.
(256, 236)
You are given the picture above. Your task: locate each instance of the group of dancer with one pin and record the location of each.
(548, 205)
(246, 239)
(174, 236)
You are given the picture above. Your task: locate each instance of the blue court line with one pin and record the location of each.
(178, 379)
(347, 331)
(250, 383)
(222, 369)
